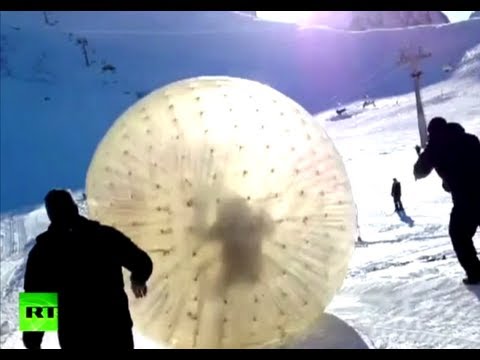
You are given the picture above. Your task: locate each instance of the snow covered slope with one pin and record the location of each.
(55, 108)
(475, 15)
(404, 287)
(366, 20)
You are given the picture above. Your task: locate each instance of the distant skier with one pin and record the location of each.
(397, 195)
(455, 156)
(367, 101)
(359, 237)
(81, 260)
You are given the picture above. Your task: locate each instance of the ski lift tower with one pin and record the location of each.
(413, 58)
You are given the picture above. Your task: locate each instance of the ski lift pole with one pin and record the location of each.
(422, 124)
(409, 57)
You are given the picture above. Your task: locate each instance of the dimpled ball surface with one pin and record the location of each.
(244, 207)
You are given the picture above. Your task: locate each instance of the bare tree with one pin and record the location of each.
(83, 42)
(48, 21)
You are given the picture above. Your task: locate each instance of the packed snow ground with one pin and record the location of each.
(404, 288)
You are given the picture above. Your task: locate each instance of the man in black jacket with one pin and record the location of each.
(397, 195)
(82, 260)
(455, 156)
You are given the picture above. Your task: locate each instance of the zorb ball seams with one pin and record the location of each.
(244, 207)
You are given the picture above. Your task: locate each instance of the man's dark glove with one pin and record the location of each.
(418, 149)
(139, 289)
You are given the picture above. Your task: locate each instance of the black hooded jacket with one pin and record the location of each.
(83, 264)
(455, 156)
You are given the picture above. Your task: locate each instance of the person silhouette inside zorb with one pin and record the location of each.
(455, 156)
(397, 195)
(81, 260)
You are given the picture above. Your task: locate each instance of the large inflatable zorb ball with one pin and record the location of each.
(244, 207)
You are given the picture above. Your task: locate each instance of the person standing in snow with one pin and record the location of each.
(81, 260)
(359, 238)
(455, 156)
(397, 195)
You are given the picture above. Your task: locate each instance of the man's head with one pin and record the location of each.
(61, 208)
(394, 179)
(436, 126)
(455, 128)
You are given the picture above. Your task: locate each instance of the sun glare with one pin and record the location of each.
(297, 17)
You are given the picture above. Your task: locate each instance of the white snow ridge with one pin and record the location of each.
(404, 288)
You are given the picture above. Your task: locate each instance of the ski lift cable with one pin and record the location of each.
(368, 83)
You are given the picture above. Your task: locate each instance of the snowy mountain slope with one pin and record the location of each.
(475, 15)
(404, 287)
(70, 104)
(469, 66)
(408, 279)
(365, 20)
(359, 20)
